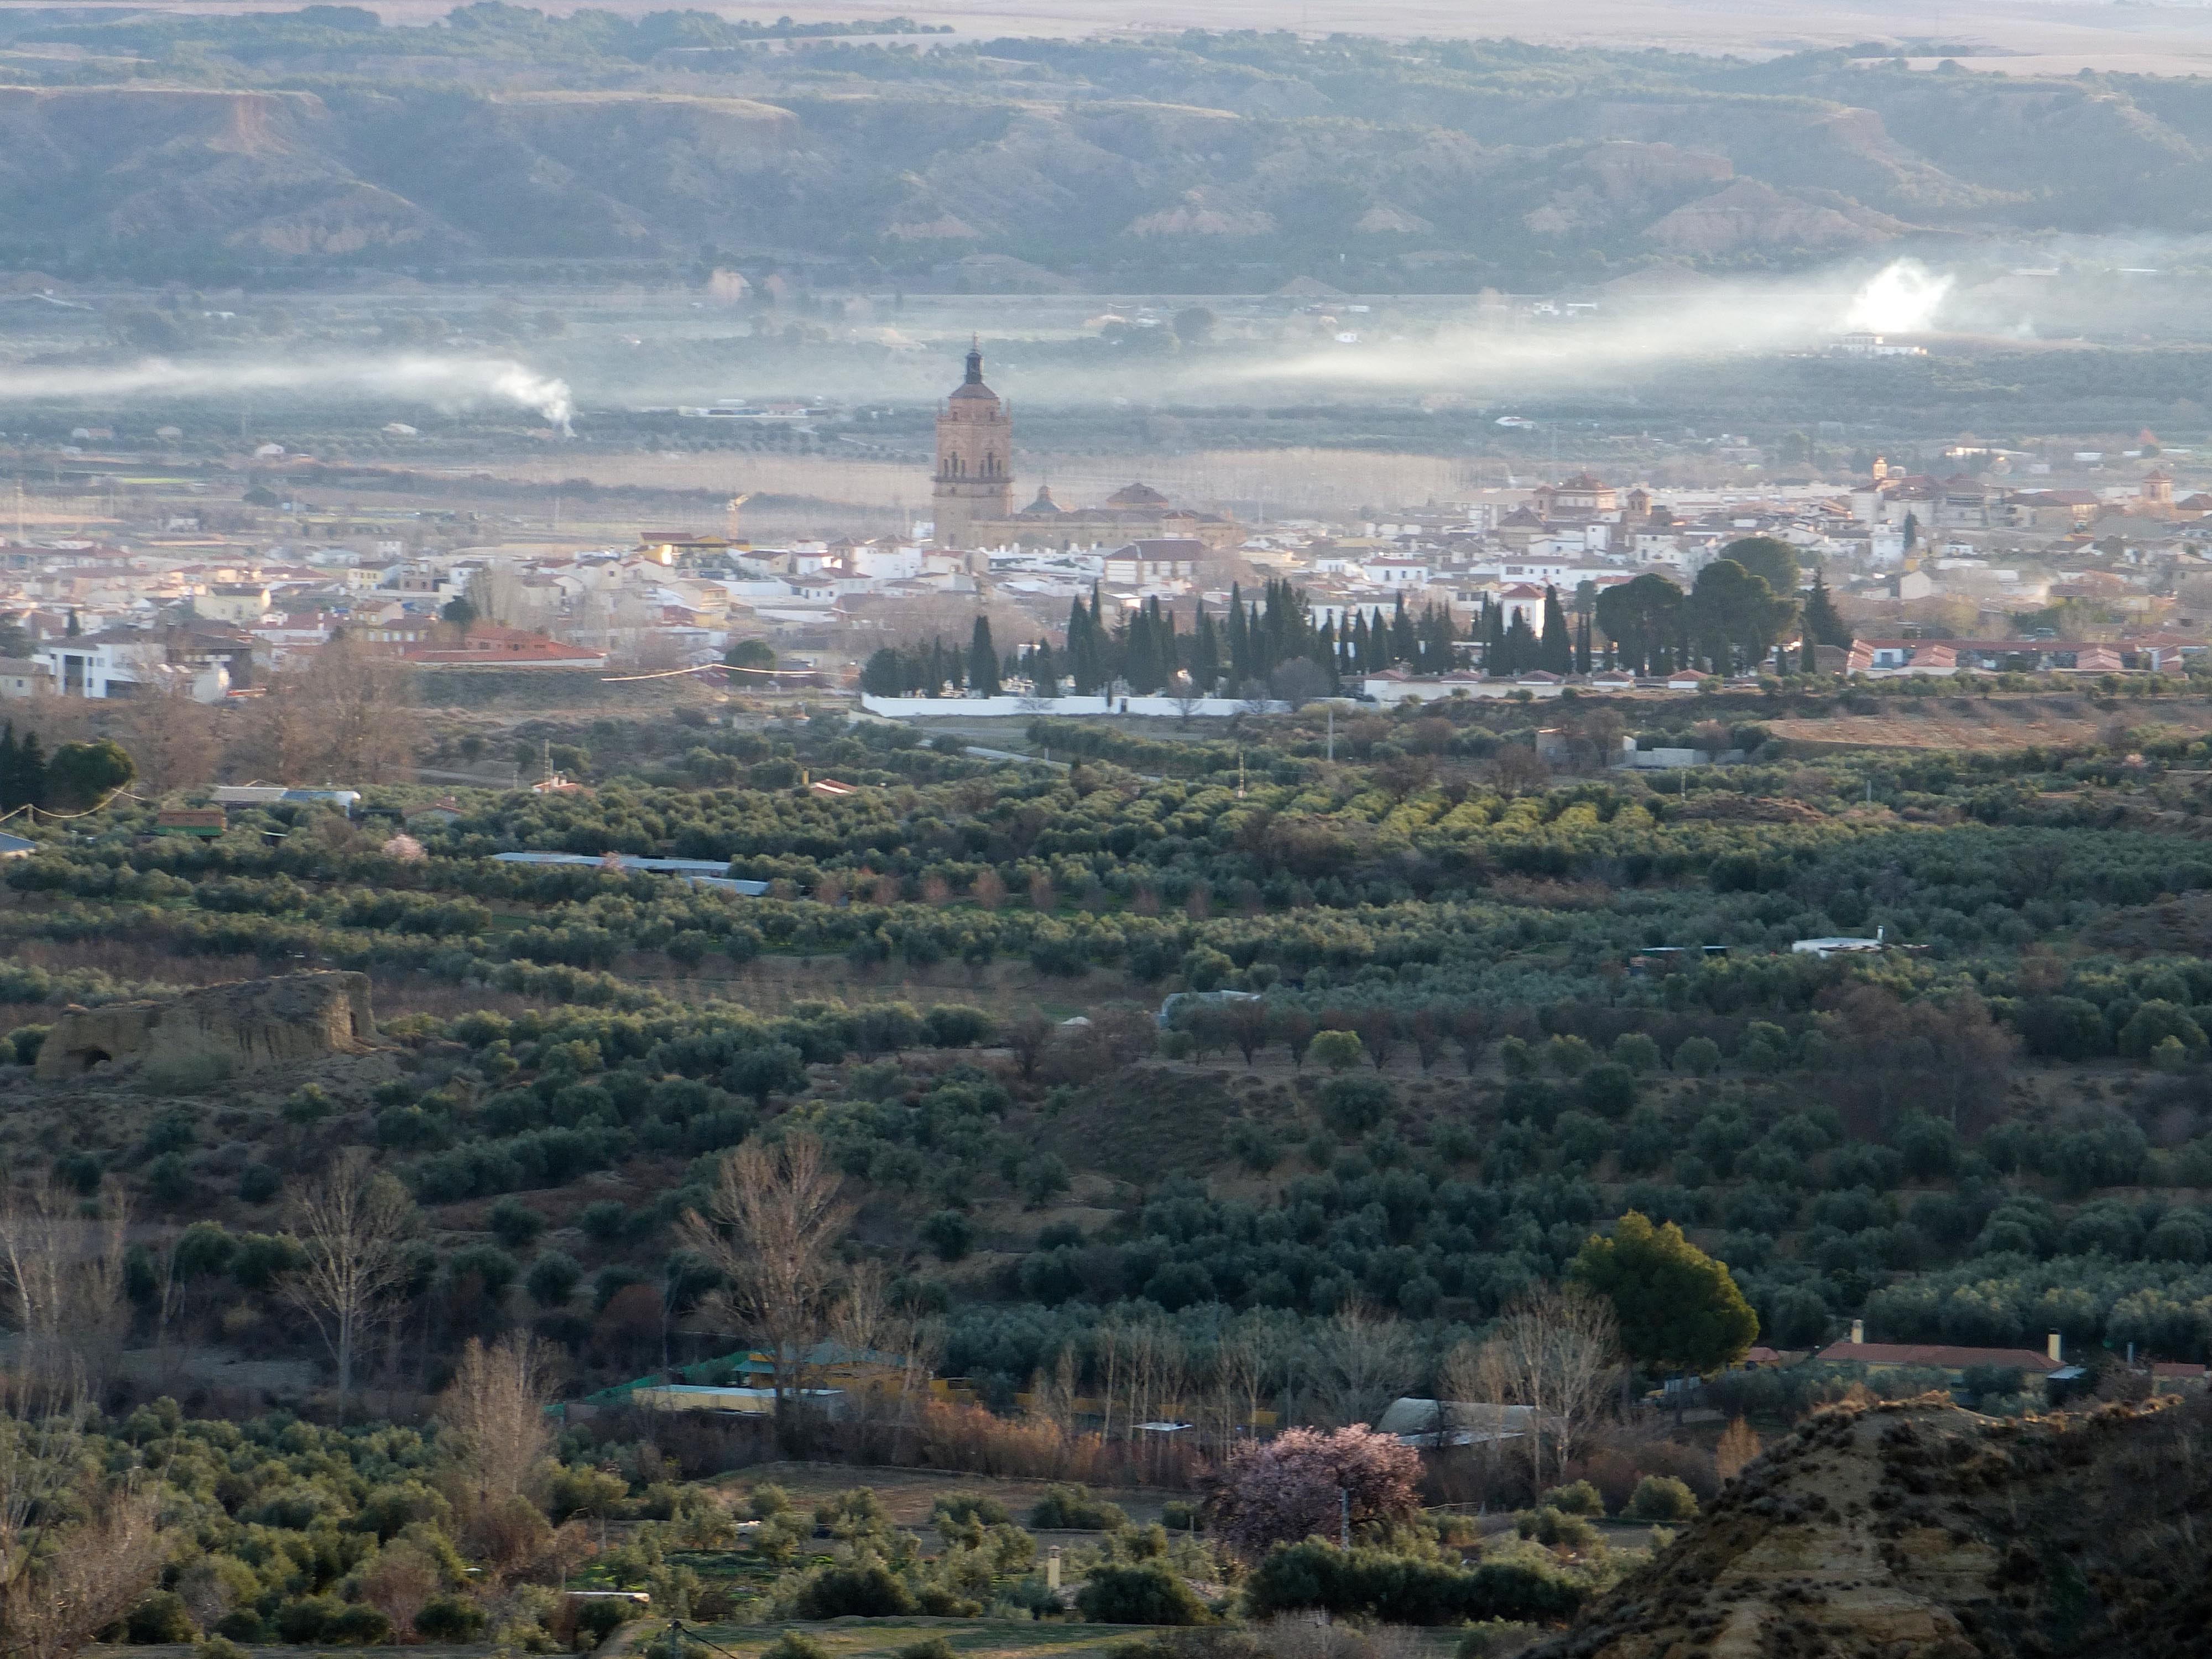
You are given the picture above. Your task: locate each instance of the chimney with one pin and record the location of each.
(2050, 1348)
(1858, 1332)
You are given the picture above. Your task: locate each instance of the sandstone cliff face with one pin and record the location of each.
(244, 1027)
(1921, 1531)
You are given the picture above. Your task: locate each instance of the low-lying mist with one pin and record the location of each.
(444, 382)
(1493, 353)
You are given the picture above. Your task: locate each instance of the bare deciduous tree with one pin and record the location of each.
(1357, 1364)
(772, 1227)
(493, 1414)
(1554, 1351)
(173, 738)
(63, 1271)
(351, 1224)
(342, 718)
(77, 1551)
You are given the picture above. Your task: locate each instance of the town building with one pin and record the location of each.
(974, 481)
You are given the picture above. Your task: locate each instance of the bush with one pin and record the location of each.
(963, 1507)
(861, 1592)
(1351, 1106)
(933, 1647)
(1555, 1530)
(795, 1644)
(243, 1625)
(1145, 1594)
(602, 1615)
(1661, 1498)
(1073, 1509)
(302, 1621)
(257, 1183)
(949, 1233)
(449, 1619)
(513, 1223)
(1399, 1589)
(360, 1625)
(1699, 1056)
(161, 1617)
(604, 1220)
(1579, 1497)
(1609, 1090)
(553, 1279)
(1339, 1051)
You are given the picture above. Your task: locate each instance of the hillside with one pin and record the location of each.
(1918, 1527)
(1203, 161)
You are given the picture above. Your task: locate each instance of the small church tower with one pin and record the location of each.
(974, 482)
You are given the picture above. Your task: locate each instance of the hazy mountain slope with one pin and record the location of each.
(1924, 1529)
(1232, 161)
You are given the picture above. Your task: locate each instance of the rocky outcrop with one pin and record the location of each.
(220, 1031)
(1921, 1530)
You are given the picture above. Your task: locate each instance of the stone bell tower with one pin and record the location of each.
(974, 482)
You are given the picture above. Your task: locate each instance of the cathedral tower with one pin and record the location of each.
(974, 479)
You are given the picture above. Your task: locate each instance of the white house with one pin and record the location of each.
(1397, 572)
(1154, 561)
(1524, 601)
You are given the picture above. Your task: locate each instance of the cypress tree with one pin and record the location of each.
(1556, 652)
(10, 761)
(1403, 646)
(1237, 638)
(1521, 645)
(1043, 671)
(1582, 644)
(1823, 626)
(1204, 652)
(983, 661)
(30, 772)
(1494, 638)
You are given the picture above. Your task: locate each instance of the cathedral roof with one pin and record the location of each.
(1136, 495)
(1044, 506)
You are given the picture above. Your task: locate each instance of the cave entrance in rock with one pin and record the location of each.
(91, 1059)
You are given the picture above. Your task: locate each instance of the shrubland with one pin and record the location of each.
(1479, 1014)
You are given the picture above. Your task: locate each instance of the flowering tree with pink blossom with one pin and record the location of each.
(1293, 1486)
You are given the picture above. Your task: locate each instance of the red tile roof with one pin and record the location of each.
(1934, 1356)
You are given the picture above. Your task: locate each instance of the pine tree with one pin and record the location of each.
(983, 661)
